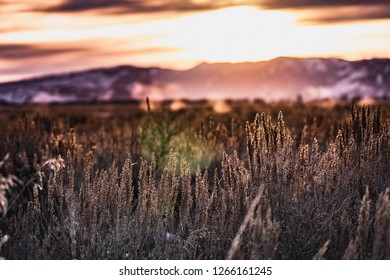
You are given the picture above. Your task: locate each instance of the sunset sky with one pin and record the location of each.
(55, 36)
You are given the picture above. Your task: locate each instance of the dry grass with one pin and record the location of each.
(189, 184)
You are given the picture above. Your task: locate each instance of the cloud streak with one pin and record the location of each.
(136, 6)
(334, 11)
(363, 9)
(193, 5)
(23, 51)
(286, 4)
(327, 15)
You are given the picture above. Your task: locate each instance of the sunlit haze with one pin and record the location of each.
(63, 36)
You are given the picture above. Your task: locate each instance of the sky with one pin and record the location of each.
(40, 37)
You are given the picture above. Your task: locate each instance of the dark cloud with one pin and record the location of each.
(22, 51)
(284, 4)
(149, 6)
(334, 11)
(133, 5)
(350, 14)
(188, 5)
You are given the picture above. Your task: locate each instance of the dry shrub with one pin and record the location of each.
(91, 191)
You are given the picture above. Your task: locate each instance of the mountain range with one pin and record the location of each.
(279, 79)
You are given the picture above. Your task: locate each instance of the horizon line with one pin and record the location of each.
(100, 68)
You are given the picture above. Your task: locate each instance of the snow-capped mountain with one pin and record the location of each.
(278, 79)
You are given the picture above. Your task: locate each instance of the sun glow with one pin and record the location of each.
(233, 34)
(247, 33)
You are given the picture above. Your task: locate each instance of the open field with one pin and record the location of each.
(195, 181)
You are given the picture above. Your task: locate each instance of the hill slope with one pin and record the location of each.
(279, 79)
